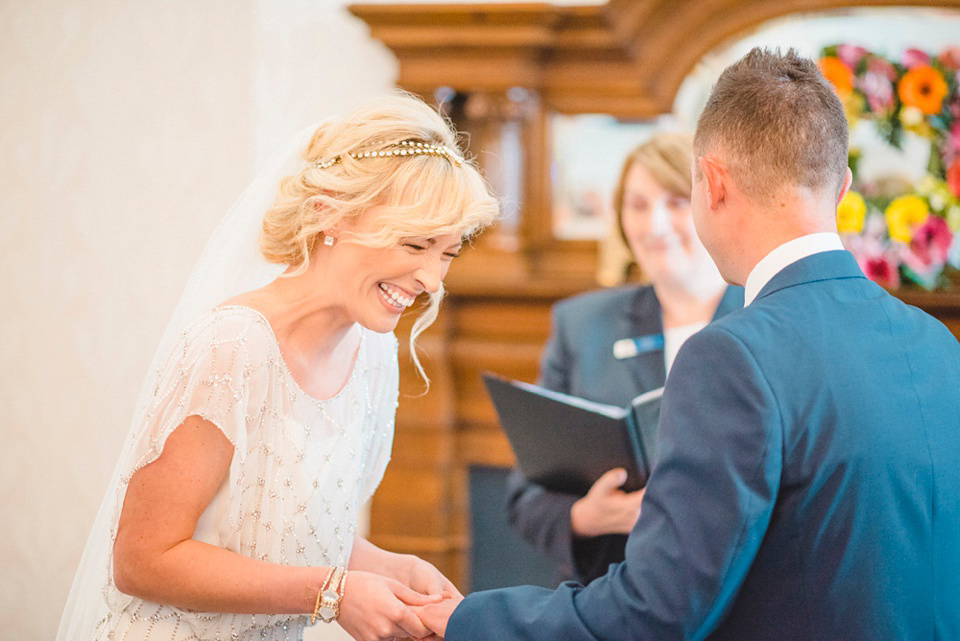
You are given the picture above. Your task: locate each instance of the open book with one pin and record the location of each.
(565, 443)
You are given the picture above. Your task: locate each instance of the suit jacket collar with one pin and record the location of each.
(732, 301)
(827, 265)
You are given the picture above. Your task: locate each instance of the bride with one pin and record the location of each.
(267, 418)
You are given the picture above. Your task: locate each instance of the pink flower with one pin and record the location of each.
(950, 58)
(882, 66)
(951, 144)
(878, 89)
(915, 57)
(850, 54)
(882, 271)
(927, 252)
(878, 262)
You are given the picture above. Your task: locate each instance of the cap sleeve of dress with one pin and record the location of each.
(383, 374)
(211, 372)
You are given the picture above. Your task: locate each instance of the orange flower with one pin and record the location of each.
(838, 73)
(924, 88)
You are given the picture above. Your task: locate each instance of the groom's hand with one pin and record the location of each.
(436, 615)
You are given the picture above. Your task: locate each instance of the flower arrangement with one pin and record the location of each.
(903, 233)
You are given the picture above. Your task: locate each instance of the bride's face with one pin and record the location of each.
(378, 284)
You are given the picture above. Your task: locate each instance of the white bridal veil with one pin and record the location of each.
(229, 265)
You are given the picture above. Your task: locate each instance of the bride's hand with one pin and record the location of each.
(375, 608)
(422, 576)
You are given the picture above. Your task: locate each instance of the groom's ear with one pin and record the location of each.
(847, 181)
(716, 179)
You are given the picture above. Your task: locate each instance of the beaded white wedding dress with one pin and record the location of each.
(301, 469)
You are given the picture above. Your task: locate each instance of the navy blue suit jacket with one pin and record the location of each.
(578, 360)
(807, 485)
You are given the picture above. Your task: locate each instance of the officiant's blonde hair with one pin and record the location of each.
(398, 155)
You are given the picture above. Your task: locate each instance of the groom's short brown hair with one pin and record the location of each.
(776, 122)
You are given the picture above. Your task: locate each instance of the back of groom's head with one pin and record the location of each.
(775, 122)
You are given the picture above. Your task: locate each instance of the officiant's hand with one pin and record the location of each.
(375, 608)
(436, 615)
(606, 509)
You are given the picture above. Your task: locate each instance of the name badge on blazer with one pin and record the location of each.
(630, 347)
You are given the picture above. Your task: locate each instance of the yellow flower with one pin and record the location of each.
(853, 107)
(903, 214)
(850, 213)
(911, 116)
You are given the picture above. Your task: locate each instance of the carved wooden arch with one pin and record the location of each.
(626, 58)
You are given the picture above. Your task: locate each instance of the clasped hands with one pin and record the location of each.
(408, 597)
(400, 595)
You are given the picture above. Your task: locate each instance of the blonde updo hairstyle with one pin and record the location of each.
(420, 196)
(667, 156)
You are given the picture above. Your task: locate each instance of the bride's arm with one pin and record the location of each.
(406, 568)
(156, 559)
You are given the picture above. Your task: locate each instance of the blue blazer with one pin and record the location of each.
(578, 360)
(807, 485)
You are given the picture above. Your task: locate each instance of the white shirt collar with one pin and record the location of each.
(786, 254)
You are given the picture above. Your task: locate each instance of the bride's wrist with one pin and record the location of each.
(399, 566)
(317, 576)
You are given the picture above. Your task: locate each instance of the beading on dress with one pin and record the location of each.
(301, 470)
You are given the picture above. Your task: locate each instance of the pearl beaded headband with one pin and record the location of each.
(404, 148)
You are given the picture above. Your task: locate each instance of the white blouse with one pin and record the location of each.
(674, 338)
(301, 469)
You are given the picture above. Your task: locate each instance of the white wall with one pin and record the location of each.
(128, 129)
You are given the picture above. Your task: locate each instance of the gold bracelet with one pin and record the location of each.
(327, 607)
(323, 586)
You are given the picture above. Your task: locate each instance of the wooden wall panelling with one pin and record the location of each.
(626, 58)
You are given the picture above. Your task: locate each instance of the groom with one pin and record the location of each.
(807, 484)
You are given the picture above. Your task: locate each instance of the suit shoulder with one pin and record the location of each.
(919, 319)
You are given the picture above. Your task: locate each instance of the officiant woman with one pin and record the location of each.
(612, 345)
